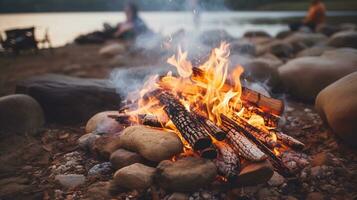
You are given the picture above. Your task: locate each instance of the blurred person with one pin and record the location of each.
(315, 16)
(133, 26)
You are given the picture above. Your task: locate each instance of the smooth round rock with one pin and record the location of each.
(314, 51)
(99, 191)
(152, 144)
(261, 71)
(20, 114)
(255, 173)
(305, 77)
(187, 174)
(327, 29)
(122, 158)
(101, 123)
(344, 39)
(337, 105)
(86, 141)
(135, 176)
(257, 33)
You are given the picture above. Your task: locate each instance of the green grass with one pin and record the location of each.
(346, 5)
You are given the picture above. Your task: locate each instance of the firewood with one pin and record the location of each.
(276, 161)
(211, 127)
(149, 120)
(187, 124)
(270, 120)
(242, 145)
(121, 118)
(267, 104)
(288, 140)
(208, 153)
(144, 119)
(262, 135)
(266, 135)
(227, 162)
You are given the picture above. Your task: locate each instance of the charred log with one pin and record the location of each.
(227, 162)
(149, 120)
(211, 127)
(122, 119)
(269, 119)
(208, 153)
(242, 145)
(288, 140)
(276, 161)
(144, 119)
(188, 125)
(264, 136)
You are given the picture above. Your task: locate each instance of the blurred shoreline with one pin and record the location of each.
(64, 27)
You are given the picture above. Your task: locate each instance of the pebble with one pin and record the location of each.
(70, 180)
(276, 180)
(178, 196)
(100, 169)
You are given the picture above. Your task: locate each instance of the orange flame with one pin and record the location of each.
(206, 91)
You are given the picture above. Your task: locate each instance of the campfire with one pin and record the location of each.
(213, 114)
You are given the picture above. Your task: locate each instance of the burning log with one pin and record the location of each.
(208, 153)
(269, 119)
(289, 141)
(121, 119)
(267, 104)
(264, 136)
(211, 127)
(228, 163)
(149, 120)
(277, 163)
(190, 128)
(267, 136)
(144, 119)
(243, 146)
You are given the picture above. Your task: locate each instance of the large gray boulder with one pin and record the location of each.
(305, 77)
(337, 105)
(344, 39)
(20, 114)
(68, 99)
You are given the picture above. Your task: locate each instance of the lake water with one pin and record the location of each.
(64, 27)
